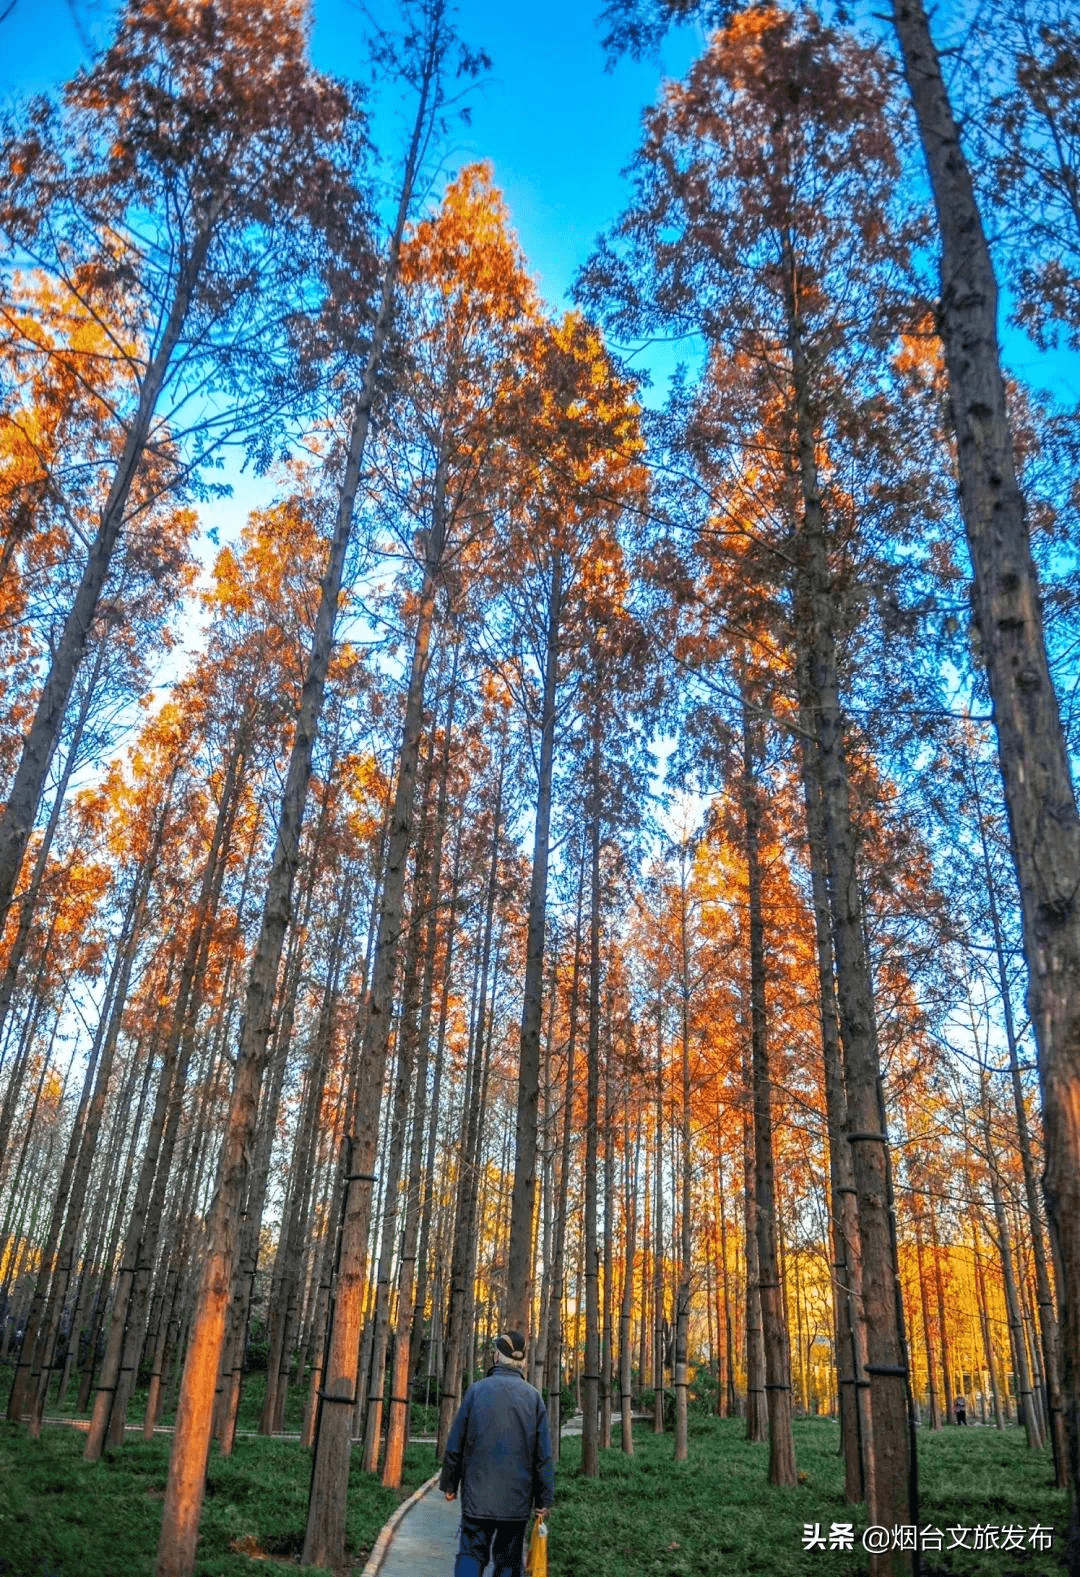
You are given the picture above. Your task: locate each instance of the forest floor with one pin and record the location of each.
(715, 1515)
(643, 1517)
(63, 1517)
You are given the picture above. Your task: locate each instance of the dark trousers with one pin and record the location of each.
(482, 1537)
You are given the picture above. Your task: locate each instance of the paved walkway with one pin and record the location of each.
(424, 1542)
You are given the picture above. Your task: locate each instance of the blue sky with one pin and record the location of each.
(557, 128)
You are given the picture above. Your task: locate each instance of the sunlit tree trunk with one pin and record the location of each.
(1048, 1325)
(756, 1409)
(110, 1401)
(939, 1289)
(928, 1335)
(659, 1334)
(726, 1401)
(27, 900)
(984, 1325)
(608, 1343)
(35, 1364)
(408, 1031)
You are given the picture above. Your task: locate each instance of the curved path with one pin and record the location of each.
(420, 1540)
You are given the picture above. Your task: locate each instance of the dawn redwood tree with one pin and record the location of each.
(467, 302)
(185, 188)
(580, 453)
(767, 216)
(1034, 761)
(1039, 791)
(774, 1321)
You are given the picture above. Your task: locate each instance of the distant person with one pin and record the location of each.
(499, 1454)
(960, 1409)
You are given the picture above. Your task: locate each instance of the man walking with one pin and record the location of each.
(499, 1453)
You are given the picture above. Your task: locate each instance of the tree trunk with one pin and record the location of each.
(1048, 1326)
(850, 1323)
(1032, 751)
(523, 1199)
(984, 1325)
(939, 1289)
(773, 1318)
(194, 1419)
(928, 1337)
(139, 1243)
(1026, 1406)
(590, 1461)
(27, 900)
(658, 1222)
(56, 1256)
(461, 1270)
(554, 1364)
(894, 1483)
(17, 819)
(681, 1375)
(608, 1345)
(626, 1310)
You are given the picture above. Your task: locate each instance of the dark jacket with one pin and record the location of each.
(499, 1450)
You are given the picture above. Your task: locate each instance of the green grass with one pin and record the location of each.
(424, 1419)
(715, 1516)
(60, 1517)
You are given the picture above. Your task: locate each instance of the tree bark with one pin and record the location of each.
(928, 1335)
(681, 1375)
(894, 1480)
(139, 1244)
(523, 1198)
(1025, 1404)
(1048, 1325)
(553, 1367)
(773, 1317)
(1032, 751)
(194, 1419)
(17, 819)
(756, 1407)
(458, 1319)
(849, 1319)
(626, 1310)
(590, 1461)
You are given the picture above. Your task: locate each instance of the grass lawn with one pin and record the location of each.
(644, 1517)
(715, 1516)
(60, 1517)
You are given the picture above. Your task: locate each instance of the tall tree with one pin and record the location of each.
(216, 137)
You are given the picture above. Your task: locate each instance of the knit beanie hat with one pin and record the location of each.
(510, 1348)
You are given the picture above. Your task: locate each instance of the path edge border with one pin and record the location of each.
(386, 1532)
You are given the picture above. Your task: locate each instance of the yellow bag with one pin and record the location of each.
(536, 1565)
